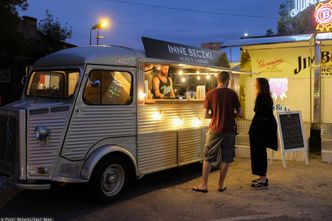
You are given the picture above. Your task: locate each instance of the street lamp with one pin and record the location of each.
(103, 23)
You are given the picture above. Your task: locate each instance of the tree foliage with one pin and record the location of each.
(300, 24)
(12, 42)
(54, 33)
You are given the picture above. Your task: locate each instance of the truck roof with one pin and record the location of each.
(103, 55)
(108, 55)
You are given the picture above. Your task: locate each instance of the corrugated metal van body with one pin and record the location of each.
(92, 124)
(43, 154)
(190, 146)
(170, 134)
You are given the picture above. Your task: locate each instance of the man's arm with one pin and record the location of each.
(155, 86)
(238, 112)
(237, 106)
(206, 114)
(172, 94)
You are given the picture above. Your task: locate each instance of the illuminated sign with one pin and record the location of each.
(278, 87)
(301, 5)
(323, 16)
(183, 53)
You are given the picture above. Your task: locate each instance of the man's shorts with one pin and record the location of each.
(216, 142)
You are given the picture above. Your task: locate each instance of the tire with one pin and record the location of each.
(109, 179)
(216, 165)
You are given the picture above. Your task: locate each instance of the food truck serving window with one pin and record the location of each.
(185, 81)
(108, 88)
(58, 84)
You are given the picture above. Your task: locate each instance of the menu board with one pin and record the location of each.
(291, 130)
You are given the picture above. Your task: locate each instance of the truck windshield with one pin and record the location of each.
(56, 84)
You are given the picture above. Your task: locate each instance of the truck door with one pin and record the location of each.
(105, 110)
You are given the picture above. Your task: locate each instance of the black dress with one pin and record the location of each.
(262, 134)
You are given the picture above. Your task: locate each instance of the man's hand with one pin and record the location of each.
(239, 112)
(206, 114)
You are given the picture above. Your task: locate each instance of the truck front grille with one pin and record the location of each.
(9, 142)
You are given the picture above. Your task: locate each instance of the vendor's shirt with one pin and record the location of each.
(164, 88)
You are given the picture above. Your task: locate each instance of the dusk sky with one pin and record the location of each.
(184, 21)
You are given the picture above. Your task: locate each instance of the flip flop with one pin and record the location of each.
(222, 189)
(196, 189)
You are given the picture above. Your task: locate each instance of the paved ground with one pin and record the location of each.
(297, 193)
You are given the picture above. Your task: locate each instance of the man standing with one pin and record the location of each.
(162, 85)
(221, 106)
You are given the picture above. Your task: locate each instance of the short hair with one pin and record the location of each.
(223, 77)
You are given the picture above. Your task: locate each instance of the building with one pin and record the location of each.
(299, 68)
(13, 68)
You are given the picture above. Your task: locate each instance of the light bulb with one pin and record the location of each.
(196, 122)
(156, 115)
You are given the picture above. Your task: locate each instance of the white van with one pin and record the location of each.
(87, 115)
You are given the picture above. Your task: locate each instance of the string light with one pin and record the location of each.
(178, 122)
(196, 122)
(156, 115)
(141, 96)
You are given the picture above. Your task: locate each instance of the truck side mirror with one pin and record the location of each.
(27, 71)
(24, 80)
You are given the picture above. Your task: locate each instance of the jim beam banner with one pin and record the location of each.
(294, 62)
(286, 62)
(326, 61)
(288, 72)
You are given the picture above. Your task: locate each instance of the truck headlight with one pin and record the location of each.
(41, 133)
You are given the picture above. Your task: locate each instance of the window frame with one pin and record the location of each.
(66, 74)
(110, 71)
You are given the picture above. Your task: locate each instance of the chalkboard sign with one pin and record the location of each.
(291, 129)
(291, 134)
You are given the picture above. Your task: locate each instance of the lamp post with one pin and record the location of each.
(103, 23)
(92, 28)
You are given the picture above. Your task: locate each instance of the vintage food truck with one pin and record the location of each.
(87, 115)
(299, 68)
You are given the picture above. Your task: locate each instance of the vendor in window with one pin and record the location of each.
(162, 85)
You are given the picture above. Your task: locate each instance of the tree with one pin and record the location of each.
(54, 33)
(269, 32)
(12, 41)
(300, 24)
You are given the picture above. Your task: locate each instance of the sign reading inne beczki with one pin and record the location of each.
(183, 53)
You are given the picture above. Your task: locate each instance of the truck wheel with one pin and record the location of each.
(216, 165)
(109, 179)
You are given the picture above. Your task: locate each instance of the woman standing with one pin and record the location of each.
(262, 133)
